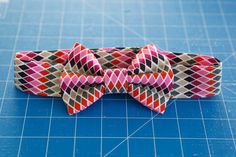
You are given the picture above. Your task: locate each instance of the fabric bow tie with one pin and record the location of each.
(148, 79)
(151, 76)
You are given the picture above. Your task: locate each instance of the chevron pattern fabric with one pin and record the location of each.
(151, 76)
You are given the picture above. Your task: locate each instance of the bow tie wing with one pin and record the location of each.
(78, 82)
(149, 97)
(81, 60)
(149, 60)
(154, 78)
(77, 94)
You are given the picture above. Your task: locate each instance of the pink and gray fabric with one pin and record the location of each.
(81, 75)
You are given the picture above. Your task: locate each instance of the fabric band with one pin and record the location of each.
(144, 73)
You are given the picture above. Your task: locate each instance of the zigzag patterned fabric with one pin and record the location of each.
(81, 75)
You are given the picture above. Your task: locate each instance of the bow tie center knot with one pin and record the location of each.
(116, 80)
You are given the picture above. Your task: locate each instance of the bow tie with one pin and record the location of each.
(148, 79)
(81, 76)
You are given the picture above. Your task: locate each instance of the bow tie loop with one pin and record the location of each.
(116, 80)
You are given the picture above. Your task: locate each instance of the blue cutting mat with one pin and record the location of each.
(117, 125)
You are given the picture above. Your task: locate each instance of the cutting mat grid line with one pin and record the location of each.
(117, 125)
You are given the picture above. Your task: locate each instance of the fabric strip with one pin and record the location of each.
(195, 76)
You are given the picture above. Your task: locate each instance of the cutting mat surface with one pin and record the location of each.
(117, 125)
